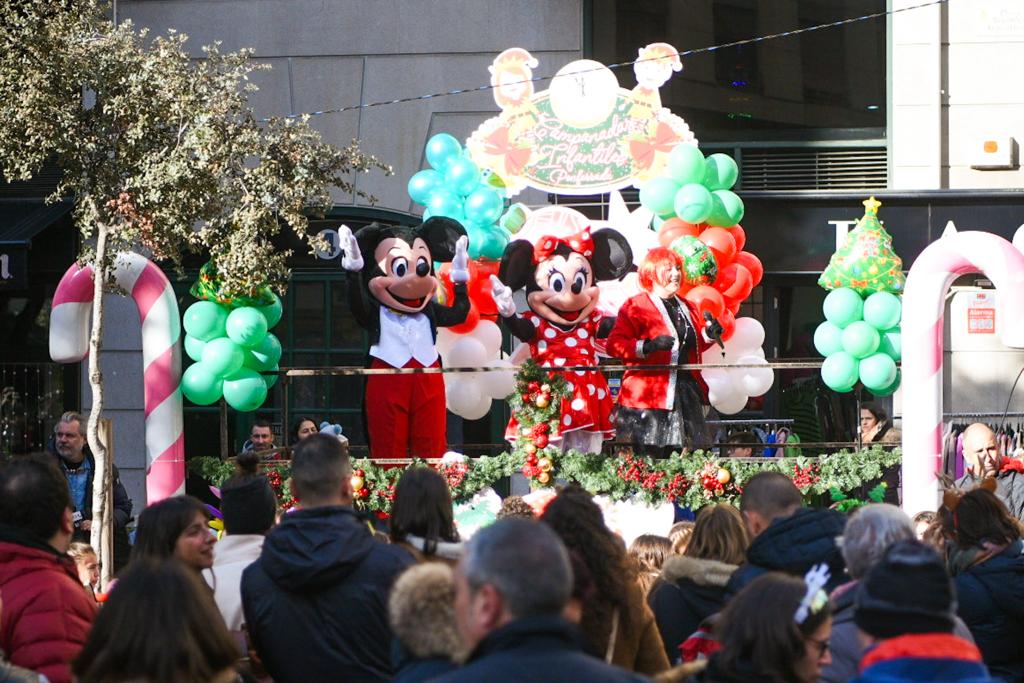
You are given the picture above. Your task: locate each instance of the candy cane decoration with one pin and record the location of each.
(924, 303)
(161, 357)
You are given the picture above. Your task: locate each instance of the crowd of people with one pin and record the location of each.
(770, 590)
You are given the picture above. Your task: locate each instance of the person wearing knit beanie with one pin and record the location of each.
(905, 610)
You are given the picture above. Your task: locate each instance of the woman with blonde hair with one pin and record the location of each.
(692, 586)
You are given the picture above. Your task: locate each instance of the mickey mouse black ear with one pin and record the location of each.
(441, 234)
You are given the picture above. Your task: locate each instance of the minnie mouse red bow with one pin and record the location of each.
(581, 243)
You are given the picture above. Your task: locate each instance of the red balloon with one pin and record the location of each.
(444, 279)
(739, 235)
(706, 299)
(728, 322)
(673, 229)
(751, 263)
(734, 282)
(721, 243)
(733, 306)
(472, 320)
(480, 286)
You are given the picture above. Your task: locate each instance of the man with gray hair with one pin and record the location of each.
(870, 531)
(511, 587)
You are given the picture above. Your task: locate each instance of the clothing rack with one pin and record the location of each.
(1000, 414)
(780, 421)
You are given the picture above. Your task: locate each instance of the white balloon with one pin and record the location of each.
(488, 334)
(498, 384)
(730, 404)
(713, 375)
(445, 339)
(464, 400)
(467, 353)
(749, 335)
(755, 381)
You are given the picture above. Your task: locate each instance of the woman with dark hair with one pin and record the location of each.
(692, 586)
(175, 527)
(616, 622)
(875, 426)
(985, 561)
(648, 552)
(159, 625)
(304, 426)
(422, 517)
(775, 630)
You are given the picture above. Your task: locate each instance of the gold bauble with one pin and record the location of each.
(544, 477)
(542, 402)
(545, 387)
(530, 449)
(545, 464)
(724, 476)
(357, 483)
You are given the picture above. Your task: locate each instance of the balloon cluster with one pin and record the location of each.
(231, 346)
(470, 393)
(860, 340)
(455, 187)
(729, 389)
(699, 220)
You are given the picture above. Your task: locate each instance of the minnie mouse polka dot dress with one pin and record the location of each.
(589, 408)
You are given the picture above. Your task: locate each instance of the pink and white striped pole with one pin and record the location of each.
(924, 303)
(161, 357)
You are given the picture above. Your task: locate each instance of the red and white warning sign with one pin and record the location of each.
(981, 313)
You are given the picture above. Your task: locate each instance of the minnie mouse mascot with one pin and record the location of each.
(560, 275)
(392, 297)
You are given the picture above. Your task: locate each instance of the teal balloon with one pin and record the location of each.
(247, 326)
(860, 339)
(444, 202)
(726, 209)
(658, 195)
(462, 175)
(273, 312)
(883, 310)
(891, 343)
(264, 355)
(891, 389)
(877, 372)
(843, 306)
(483, 206)
(839, 371)
(222, 356)
(271, 380)
(194, 347)
(441, 150)
(686, 164)
(205, 320)
(692, 202)
(245, 390)
(423, 183)
(657, 222)
(720, 172)
(828, 339)
(200, 385)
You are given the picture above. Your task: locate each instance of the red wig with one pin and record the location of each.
(655, 259)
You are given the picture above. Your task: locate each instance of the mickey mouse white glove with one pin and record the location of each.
(351, 258)
(460, 262)
(502, 296)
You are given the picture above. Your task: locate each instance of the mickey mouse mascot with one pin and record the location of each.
(560, 275)
(392, 297)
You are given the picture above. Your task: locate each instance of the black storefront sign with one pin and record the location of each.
(13, 267)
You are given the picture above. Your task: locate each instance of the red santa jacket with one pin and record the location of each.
(644, 317)
(46, 612)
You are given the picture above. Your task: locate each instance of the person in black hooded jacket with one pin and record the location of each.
(787, 537)
(315, 602)
(987, 566)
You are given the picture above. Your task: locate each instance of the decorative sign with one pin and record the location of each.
(981, 313)
(13, 269)
(585, 134)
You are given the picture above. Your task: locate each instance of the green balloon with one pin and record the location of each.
(828, 339)
(726, 209)
(891, 389)
(271, 380)
(891, 343)
(488, 243)
(843, 306)
(222, 356)
(720, 172)
(246, 326)
(883, 310)
(860, 339)
(877, 372)
(205, 320)
(686, 165)
(692, 203)
(839, 371)
(699, 265)
(264, 355)
(194, 347)
(201, 386)
(273, 312)
(657, 222)
(658, 195)
(245, 390)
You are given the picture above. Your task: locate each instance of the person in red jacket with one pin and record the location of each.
(47, 613)
(661, 410)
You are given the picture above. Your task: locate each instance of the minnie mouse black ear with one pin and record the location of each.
(612, 256)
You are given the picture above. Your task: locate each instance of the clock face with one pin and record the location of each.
(583, 93)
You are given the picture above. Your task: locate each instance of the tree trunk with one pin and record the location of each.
(101, 536)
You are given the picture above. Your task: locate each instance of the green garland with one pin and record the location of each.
(692, 480)
(537, 408)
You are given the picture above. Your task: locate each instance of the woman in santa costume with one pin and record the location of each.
(661, 410)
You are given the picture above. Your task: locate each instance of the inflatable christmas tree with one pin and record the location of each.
(866, 263)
